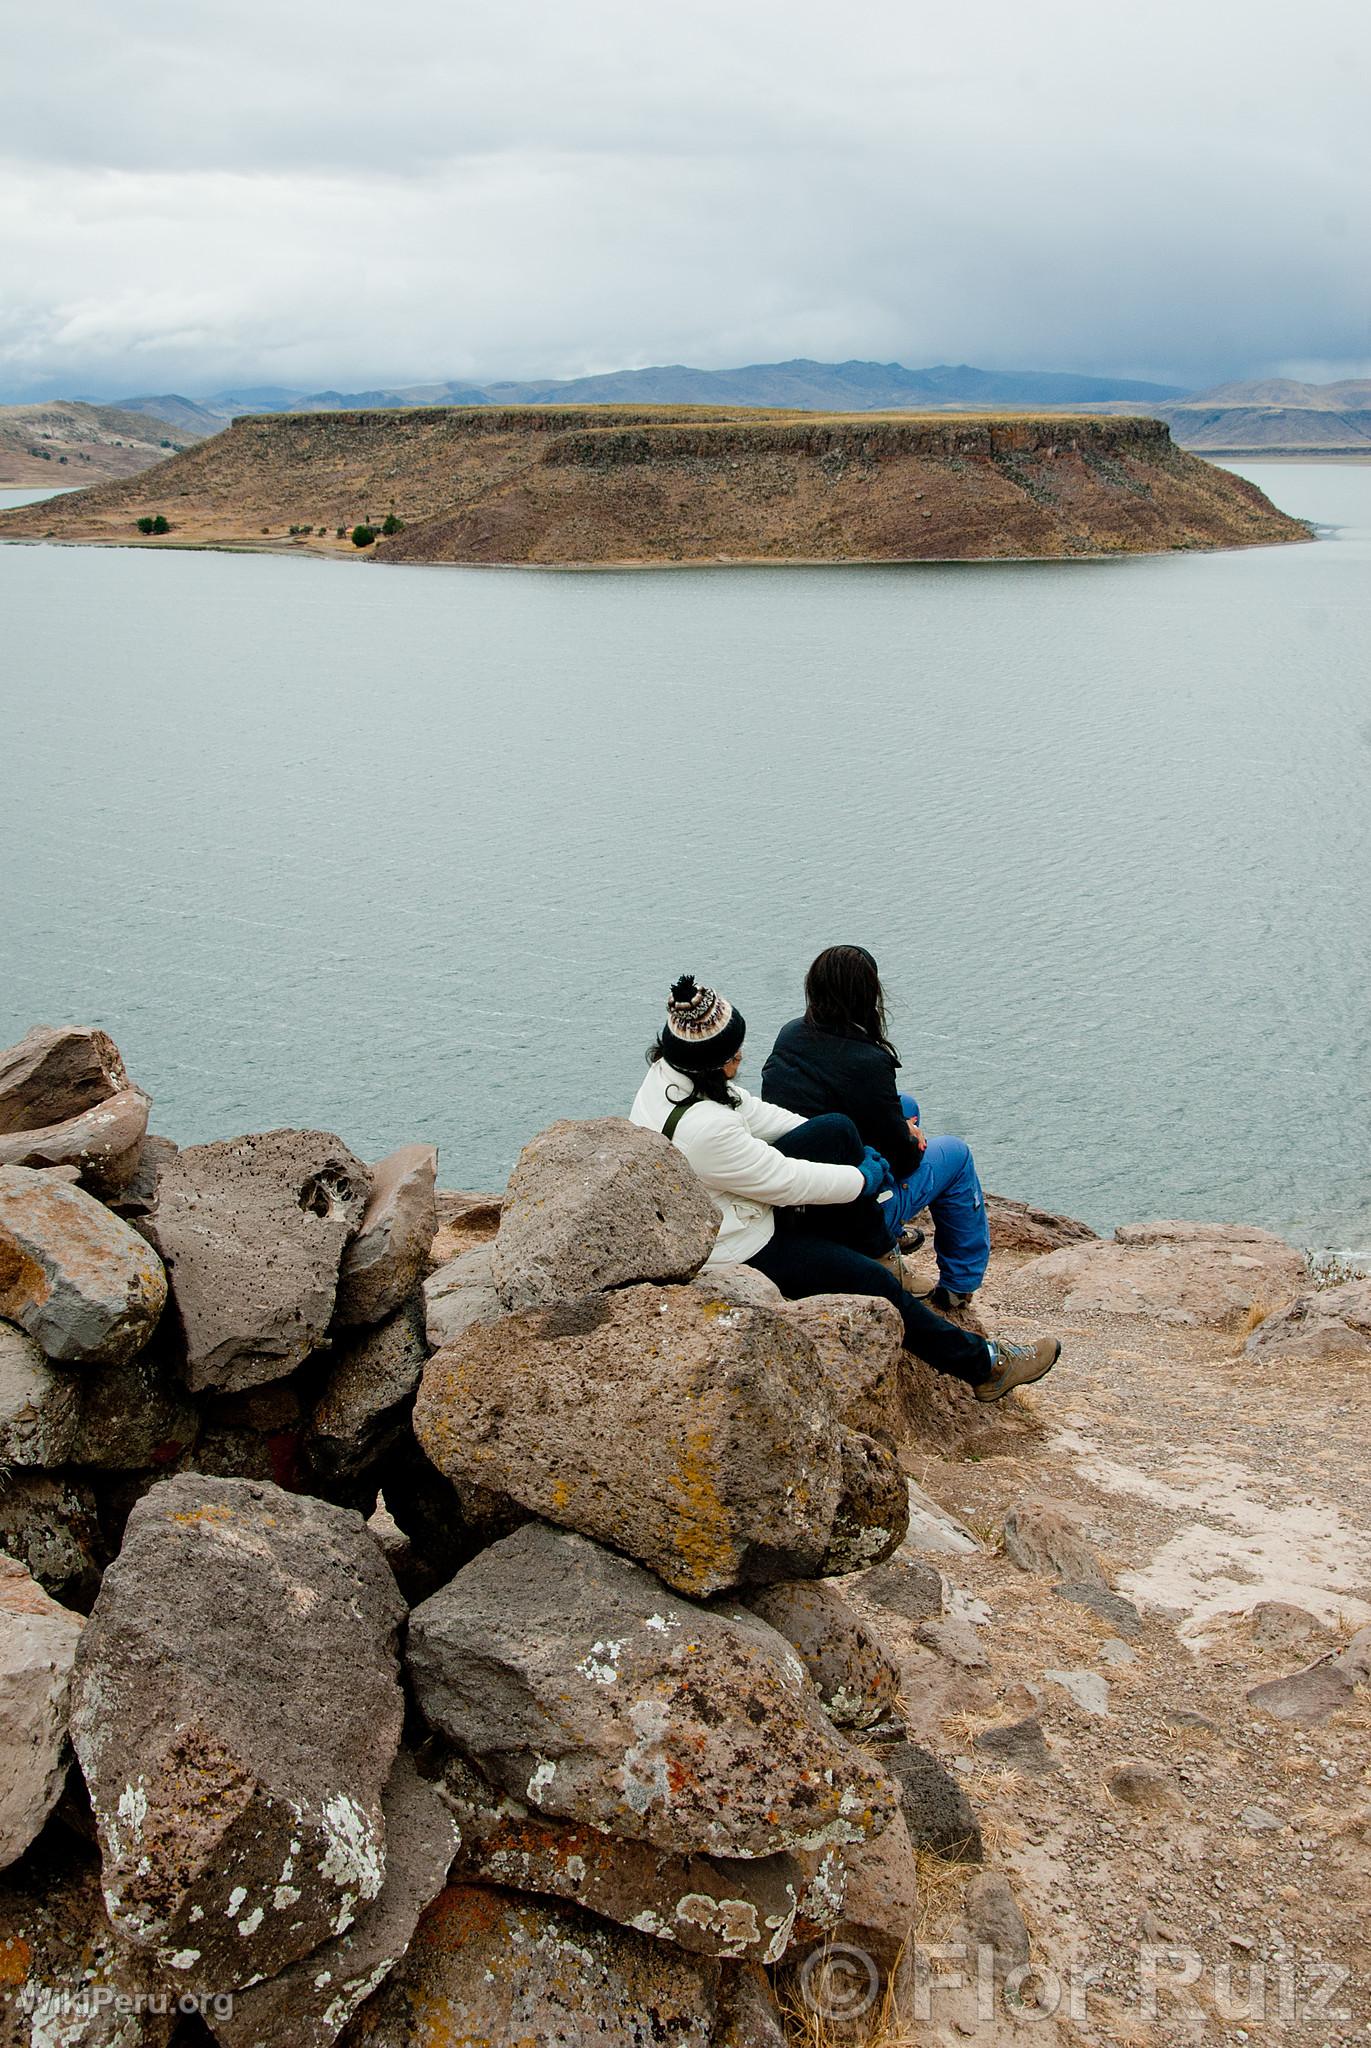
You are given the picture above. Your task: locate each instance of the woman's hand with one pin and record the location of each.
(875, 1172)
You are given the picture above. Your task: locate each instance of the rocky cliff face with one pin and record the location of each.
(595, 484)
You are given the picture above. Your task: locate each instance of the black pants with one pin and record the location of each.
(835, 1247)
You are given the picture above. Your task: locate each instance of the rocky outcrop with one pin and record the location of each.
(1020, 1227)
(583, 1687)
(363, 1409)
(252, 1231)
(1321, 1323)
(37, 1647)
(66, 1100)
(696, 1437)
(40, 1406)
(84, 1286)
(459, 1294)
(236, 1711)
(1212, 1274)
(596, 1205)
(860, 1342)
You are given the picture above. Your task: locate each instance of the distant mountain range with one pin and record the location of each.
(1274, 416)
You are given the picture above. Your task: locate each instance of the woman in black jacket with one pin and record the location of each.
(837, 1058)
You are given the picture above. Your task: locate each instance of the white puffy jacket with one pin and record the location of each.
(729, 1151)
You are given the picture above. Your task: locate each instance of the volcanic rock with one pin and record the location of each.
(39, 1404)
(310, 2002)
(1041, 1538)
(740, 1286)
(712, 1905)
(860, 1342)
(236, 1711)
(459, 1294)
(1309, 1696)
(1189, 1273)
(857, 1679)
(695, 1437)
(84, 1286)
(136, 1415)
(599, 1204)
(56, 1073)
(1019, 1227)
(872, 1516)
(993, 1921)
(386, 1258)
(37, 1645)
(252, 1231)
(493, 1968)
(937, 1812)
(66, 1980)
(364, 1405)
(49, 1522)
(584, 1688)
(104, 1144)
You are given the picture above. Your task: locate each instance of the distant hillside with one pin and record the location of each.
(1275, 416)
(803, 385)
(190, 421)
(65, 442)
(604, 484)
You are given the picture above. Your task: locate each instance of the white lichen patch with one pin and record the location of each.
(250, 1922)
(133, 1807)
(543, 1775)
(662, 1624)
(601, 1663)
(651, 1922)
(284, 1895)
(237, 1900)
(643, 1774)
(354, 1859)
(184, 1959)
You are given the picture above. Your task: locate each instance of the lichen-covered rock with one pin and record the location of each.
(856, 1677)
(104, 1144)
(491, 1968)
(1210, 1274)
(54, 1073)
(37, 1646)
(459, 1294)
(385, 1260)
(860, 1342)
(712, 1905)
(49, 1522)
(1325, 1322)
(364, 1405)
(39, 1404)
(66, 1980)
(236, 1711)
(872, 1515)
(252, 1231)
(740, 1286)
(696, 1437)
(84, 1286)
(599, 1204)
(310, 2002)
(583, 1687)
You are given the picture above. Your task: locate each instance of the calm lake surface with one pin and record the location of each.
(414, 852)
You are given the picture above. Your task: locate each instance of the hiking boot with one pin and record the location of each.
(910, 1242)
(945, 1301)
(1017, 1365)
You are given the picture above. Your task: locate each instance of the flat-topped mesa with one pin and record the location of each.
(590, 485)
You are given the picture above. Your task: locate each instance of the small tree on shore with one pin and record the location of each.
(363, 536)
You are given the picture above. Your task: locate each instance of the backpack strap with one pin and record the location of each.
(669, 1127)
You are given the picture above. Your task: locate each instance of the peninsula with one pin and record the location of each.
(601, 485)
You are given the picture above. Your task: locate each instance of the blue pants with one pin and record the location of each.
(945, 1183)
(834, 1248)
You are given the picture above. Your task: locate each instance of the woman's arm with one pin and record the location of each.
(875, 1108)
(766, 1119)
(730, 1159)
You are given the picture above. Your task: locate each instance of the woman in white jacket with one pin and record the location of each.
(796, 1195)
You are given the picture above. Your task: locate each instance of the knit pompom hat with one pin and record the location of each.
(703, 1030)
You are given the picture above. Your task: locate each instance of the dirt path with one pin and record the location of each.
(1206, 1487)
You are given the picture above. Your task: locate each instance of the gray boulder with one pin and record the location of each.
(494, 1968)
(1309, 1696)
(310, 2002)
(860, 1342)
(584, 1688)
(937, 1812)
(599, 1204)
(364, 1406)
(459, 1294)
(253, 1231)
(740, 1286)
(694, 1436)
(713, 1905)
(384, 1262)
(1041, 1537)
(37, 1647)
(993, 1921)
(104, 1144)
(1209, 1274)
(82, 1283)
(54, 1073)
(39, 1404)
(236, 1711)
(855, 1675)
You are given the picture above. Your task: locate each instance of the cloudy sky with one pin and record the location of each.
(195, 195)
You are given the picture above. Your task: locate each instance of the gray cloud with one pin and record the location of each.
(192, 195)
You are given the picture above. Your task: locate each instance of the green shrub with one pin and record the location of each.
(145, 523)
(363, 536)
(154, 522)
(342, 533)
(392, 524)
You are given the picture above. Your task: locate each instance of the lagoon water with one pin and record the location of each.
(414, 852)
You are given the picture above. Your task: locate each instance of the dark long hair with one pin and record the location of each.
(843, 995)
(711, 1085)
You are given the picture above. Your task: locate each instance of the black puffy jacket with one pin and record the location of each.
(817, 1073)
